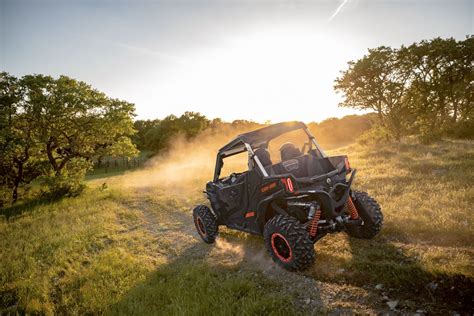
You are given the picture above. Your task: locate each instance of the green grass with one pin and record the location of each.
(92, 254)
(129, 247)
(182, 288)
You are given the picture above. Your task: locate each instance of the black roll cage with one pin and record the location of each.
(244, 143)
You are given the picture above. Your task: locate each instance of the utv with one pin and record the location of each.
(293, 203)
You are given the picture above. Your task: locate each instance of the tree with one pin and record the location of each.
(55, 127)
(377, 82)
(143, 127)
(189, 124)
(19, 162)
(426, 88)
(441, 88)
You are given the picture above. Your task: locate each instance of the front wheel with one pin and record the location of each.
(288, 243)
(371, 214)
(206, 223)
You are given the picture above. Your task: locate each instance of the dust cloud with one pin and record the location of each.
(236, 252)
(188, 164)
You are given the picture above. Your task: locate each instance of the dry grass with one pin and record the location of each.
(129, 246)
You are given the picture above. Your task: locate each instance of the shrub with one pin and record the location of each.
(376, 135)
(464, 129)
(68, 183)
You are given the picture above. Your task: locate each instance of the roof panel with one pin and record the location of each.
(263, 134)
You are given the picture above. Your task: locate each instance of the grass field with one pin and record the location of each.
(128, 246)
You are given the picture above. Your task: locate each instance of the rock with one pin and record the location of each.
(432, 285)
(438, 172)
(379, 286)
(341, 270)
(392, 304)
(420, 311)
(307, 301)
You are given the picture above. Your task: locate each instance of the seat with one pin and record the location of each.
(289, 151)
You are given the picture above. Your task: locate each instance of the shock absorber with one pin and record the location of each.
(313, 217)
(352, 209)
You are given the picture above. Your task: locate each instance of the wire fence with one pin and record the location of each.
(118, 164)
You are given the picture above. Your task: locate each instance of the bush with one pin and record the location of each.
(377, 135)
(464, 129)
(69, 183)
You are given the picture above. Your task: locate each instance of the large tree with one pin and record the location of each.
(426, 88)
(57, 126)
(162, 133)
(441, 89)
(19, 161)
(376, 82)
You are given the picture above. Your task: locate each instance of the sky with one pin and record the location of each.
(252, 59)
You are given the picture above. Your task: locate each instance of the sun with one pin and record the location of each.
(262, 75)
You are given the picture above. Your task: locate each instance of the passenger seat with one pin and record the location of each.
(289, 151)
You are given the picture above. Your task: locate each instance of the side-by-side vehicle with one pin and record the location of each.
(292, 203)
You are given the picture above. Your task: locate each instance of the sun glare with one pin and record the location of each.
(261, 75)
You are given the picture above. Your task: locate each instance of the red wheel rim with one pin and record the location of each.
(281, 247)
(200, 226)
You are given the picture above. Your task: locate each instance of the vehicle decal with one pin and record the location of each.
(268, 187)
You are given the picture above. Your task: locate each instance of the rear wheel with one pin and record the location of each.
(206, 223)
(288, 243)
(370, 212)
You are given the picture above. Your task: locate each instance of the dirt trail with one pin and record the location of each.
(172, 223)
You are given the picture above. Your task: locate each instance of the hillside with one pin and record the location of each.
(128, 245)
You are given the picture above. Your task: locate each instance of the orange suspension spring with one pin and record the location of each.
(352, 209)
(313, 225)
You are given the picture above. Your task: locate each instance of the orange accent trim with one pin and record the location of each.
(249, 214)
(268, 187)
(352, 209)
(348, 165)
(313, 226)
(290, 185)
(200, 227)
(275, 250)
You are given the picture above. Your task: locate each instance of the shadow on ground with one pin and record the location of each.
(402, 278)
(26, 206)
(191, 284)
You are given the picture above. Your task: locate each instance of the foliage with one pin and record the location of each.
(143, 127)
(155, 135)
(336, 132)
(67, 183)
(376, 135)
(425, 89)
(53, 128)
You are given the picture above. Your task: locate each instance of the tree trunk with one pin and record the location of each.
(49, 152)
(17, 181)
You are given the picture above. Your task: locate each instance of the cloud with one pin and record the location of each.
(339, 8)
(136, 49)
(146, 51)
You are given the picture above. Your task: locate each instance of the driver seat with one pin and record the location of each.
(289, 151)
